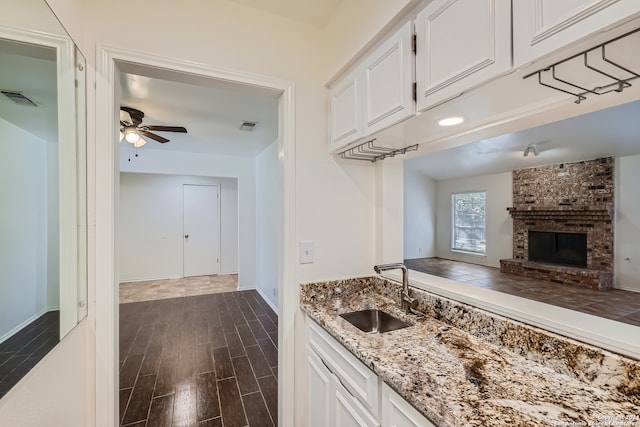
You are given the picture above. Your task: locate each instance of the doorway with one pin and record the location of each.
(106, 194)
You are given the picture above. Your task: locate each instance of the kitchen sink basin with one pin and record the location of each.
(374, 321)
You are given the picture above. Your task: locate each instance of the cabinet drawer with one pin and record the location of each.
(361, 381)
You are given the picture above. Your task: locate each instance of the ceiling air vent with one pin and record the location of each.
(248, 126)
(18, 98)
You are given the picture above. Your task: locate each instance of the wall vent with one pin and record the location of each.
(18, 98)
(248, 126)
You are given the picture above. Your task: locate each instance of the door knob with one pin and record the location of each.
(186, 236)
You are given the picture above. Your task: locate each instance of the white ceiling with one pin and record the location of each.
(30, 70)
(211, 110)
(314, 12)
(613, 132)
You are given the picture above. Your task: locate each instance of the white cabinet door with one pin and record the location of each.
(543, 26)
(397, 412)
(460, 44)
(320, 392)
(345, 111)
(348, 410)
(388, 82)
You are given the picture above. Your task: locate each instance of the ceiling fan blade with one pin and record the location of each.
(166, 128)
(125, 118)
(153, 136)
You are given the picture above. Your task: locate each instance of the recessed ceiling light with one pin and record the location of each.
(450, 121)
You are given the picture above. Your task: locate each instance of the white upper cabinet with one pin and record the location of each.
(345, 111)
(388, 87)
(376, 95)
(543, 26)
(460, 45)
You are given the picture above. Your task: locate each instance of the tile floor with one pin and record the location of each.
(174, 288)
(208, 360)
(615, 304)
(26, 348)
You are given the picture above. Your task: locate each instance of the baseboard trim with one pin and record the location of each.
(22, 325)
(147, 279)
(626, 288)
(273, 307)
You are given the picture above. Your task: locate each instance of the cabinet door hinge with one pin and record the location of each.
(415, 92)
(414, 41)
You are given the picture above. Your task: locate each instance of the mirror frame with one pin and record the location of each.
(70, 306)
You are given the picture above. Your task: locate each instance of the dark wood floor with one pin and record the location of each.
(26, 348)
(615, 304)
(208, 360)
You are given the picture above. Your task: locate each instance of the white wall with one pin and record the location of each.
(151, 225)
(24, 223)
(54, 392)
(389, 217)
(499, 231)
(419, 215)
(268, 200)
(241, 169)
(627, 224)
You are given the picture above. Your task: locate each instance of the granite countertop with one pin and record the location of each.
(456, 378)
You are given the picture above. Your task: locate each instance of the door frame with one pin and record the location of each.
(106, 177)
(218, 225)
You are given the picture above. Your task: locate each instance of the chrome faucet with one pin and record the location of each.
(406, 302)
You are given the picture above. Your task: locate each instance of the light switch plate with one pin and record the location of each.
(306, 252)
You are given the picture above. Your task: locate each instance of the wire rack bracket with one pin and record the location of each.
(617, 77)
(369, 152)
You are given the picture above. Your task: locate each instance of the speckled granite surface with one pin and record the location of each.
(461, 366)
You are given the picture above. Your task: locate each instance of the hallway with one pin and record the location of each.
(207, 360)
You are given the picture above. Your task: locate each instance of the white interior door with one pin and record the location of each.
(201, 239)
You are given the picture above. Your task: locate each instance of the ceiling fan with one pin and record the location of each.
(133, 130)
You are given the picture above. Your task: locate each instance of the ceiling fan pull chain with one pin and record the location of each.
(129, 154)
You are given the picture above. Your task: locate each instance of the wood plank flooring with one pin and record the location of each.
(615, 304)
(207, 360)
(20, 353)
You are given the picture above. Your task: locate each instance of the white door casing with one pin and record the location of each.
(106, 172)
(201, 230)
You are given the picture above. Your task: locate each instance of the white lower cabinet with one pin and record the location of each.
(330, 403)
(397, 412)
(319, 378)
(343, 392)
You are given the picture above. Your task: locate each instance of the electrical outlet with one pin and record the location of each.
(306, 252)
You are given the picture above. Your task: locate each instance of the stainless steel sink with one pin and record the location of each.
(374, 321)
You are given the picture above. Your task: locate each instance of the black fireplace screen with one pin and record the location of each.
(558, 248)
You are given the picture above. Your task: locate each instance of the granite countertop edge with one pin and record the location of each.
(422, 363)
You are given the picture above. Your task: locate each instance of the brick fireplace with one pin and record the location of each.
(564, 202)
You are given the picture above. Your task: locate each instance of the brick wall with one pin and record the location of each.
(567, 197)
(578, 185)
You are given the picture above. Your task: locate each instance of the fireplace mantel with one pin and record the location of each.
(562, 212)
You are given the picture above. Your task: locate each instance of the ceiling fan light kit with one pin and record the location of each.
(134, 131)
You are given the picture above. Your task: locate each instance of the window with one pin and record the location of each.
(468, 222)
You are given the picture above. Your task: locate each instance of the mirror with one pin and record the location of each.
(485, 167)
(43, 246)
